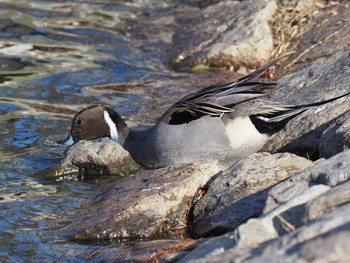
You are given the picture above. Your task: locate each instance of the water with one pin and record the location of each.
(55, 56)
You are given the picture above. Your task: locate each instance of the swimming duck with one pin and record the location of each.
(224, 121)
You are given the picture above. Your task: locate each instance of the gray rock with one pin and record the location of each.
(329, 172)
(336, 138)
(289, 215)
(145, 205)
(324, 81)
(299, 211)
(240, 192)
(283, 192)
(285, 233)
(230, 33)
(102, 156)
(317, 82)
(326, 202)
(209, 249)
(249, 235)
(293, 246)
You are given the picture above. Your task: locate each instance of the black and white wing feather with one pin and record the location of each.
(219, 99)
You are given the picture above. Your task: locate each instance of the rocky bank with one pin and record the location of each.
(287, 203)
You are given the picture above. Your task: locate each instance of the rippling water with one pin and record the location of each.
(54, 57)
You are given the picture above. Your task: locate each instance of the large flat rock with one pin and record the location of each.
(145, 205)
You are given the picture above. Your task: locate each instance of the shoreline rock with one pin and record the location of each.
(146, 205)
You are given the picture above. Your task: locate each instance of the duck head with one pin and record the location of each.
(95, 122)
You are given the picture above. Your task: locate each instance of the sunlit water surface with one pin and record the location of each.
(52, 55)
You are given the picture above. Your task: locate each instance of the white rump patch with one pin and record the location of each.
(112, 127)
(243, 134)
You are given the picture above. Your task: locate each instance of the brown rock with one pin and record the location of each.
(141, 206)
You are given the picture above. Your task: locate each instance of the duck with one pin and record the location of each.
(222, 122)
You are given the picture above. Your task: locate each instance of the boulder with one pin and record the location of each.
(241, 191)
(314, 215)
(147, 205)
(98, 157)
(230, 33)
(336, 138)
(326, 80)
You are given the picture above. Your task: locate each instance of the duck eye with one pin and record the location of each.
(79, 122)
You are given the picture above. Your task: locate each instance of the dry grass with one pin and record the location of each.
(291, 22)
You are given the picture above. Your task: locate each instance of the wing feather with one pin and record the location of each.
(219, 99)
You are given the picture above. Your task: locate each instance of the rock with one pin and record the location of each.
(146, 205)
(329, 172)
(324, 81)
(292, 247)
(336, 138)
(208, 250)
(304, 5)
(241, 191)
(248, 235)
(335, 197)
(288, 216)
(230, 33)
(283, 192)
(318, 82)
(326, 35)
(146, 251)
(97, 157)
(285, 232)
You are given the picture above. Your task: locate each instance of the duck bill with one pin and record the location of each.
(69, 140)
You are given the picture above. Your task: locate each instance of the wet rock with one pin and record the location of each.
(142, 206)
(230, 33)
(323, 81)
(97, 157)
(146, 251)
(241, 191)
(336, 138)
